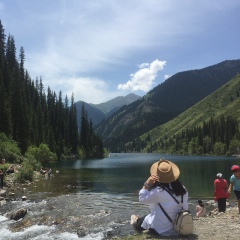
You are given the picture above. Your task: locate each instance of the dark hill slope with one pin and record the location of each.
(164, 102)
(225, 101)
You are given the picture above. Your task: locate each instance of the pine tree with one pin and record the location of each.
(84, 130)
(73, 126)
(2, 46)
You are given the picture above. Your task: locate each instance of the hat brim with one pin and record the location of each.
(169, 177)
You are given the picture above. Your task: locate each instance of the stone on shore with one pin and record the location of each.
(2, 192)
(17, 214)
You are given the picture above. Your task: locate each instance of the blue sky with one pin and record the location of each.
(101, 49)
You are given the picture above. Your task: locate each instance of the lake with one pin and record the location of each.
(94, 199)
(125, 173)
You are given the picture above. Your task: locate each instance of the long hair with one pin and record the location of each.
(175, 187)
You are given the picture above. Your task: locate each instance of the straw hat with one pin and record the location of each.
(167, 171)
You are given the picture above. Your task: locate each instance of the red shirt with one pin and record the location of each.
(221, 188)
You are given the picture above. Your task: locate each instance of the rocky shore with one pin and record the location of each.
(218, 226)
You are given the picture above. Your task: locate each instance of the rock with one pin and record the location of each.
(81, 232)
(16, 215)
(2, 202)
(24, 198)
(2, 192)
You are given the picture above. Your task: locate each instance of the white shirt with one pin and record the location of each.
(157, 219)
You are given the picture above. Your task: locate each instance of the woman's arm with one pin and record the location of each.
(148, 197)
(230, 187)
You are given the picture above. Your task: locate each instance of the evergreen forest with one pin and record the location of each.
(32, 116)
(218, 137)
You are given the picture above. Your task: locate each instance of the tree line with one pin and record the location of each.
(219, 137)
(30, 116)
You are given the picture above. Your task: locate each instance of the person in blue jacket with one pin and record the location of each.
(235, 183)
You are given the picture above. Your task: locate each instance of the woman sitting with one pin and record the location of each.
(163, 179)
(200, 209)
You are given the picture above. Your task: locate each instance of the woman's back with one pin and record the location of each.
(159, 221)
(201, 211)
(221, 187)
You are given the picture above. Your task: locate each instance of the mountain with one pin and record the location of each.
(94, 114)
(163, 103)
(113, 105)
(223, 102)
(98, 112)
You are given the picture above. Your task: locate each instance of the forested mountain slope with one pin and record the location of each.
(215, 119)
(163, 103)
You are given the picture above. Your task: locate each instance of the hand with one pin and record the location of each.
(229, 191)
(152, 179)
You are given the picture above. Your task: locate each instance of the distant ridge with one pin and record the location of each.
(114, 104)
(98, 112)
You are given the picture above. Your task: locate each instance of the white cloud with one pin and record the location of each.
(143, 79)
(143, 65)
(90, 90)
(97, 41)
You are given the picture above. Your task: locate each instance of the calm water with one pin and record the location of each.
(125, 174)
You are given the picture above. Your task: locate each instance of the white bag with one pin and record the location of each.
(184, 222)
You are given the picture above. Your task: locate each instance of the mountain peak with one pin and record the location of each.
(116, 103)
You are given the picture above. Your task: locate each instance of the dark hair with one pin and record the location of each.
(174, 187)
(200, 203)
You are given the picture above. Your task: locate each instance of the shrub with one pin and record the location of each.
(30, 159)
(25, 173)
(9, 149)
(42, 154)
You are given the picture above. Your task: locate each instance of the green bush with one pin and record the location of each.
(30, 159)
(25, 173)
(5, 166)
(42, 154)
(9, 149)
